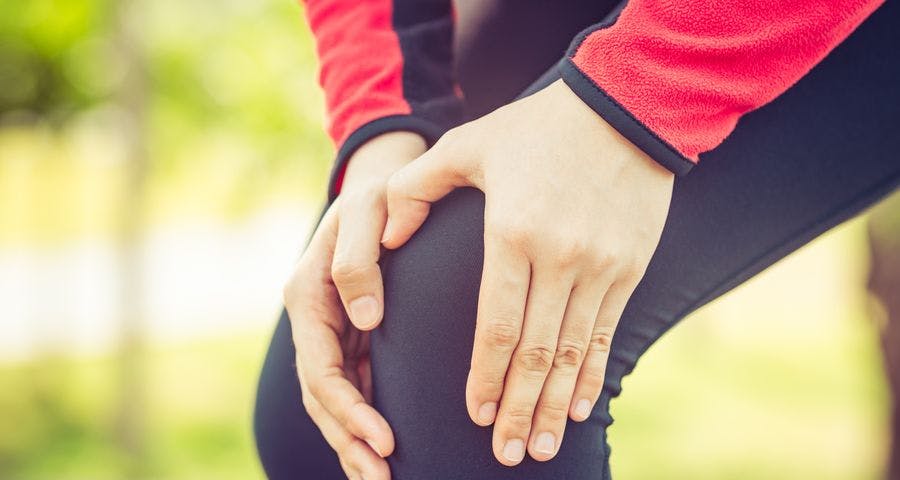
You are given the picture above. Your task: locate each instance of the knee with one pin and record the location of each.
(431, 284)
(436, 275)
(422, 351)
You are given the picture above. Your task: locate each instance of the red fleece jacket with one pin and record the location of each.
(673, 76)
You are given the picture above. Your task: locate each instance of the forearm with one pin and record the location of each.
(675, 77)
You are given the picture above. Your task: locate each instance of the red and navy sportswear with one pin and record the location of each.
(674, 77)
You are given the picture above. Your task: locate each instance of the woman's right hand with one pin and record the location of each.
(335, 296)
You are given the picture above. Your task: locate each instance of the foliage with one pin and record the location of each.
(58, 415)
(230, 87)
(232, 122)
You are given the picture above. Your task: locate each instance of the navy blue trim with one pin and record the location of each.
(424, 30)
(622, 120)
(612, 111)
(429, 130)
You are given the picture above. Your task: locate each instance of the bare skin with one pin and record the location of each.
(556, 278)
(573, 214)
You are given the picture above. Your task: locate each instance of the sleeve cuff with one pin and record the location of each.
(623, 121)
(429, 130)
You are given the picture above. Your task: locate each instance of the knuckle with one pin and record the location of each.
(570, 251)
(519, 416)
(362, 195)
(601, 340)
(555, 412)
(633, 273)
(502, 333)
(602, 258)
(535, 358)
(346, 271)
(514, 233)
(569, 354)
(396, 185)
(316, 387)
(319, 383)
(485, 384)
(593, 376)
(450, 138)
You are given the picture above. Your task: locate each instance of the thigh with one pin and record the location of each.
(818, 155)
(502, 45)
(814, 157)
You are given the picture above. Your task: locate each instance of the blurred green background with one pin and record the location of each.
(161, 163)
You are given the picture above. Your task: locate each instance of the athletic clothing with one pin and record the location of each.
(813, 157)
(673, 77)
(686, 71)
(385, 65)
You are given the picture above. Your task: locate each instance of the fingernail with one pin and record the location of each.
(545, 443)
(372, 444)
(583, 408)
(387, 230)
(364, 311)
(487, 412)
(514, 450)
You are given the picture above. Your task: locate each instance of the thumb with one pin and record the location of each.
(412, 189)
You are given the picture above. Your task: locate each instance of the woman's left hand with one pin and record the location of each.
(573, 214)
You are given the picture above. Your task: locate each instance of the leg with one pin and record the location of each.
(289, 443)
(815, 157)
(811, 159)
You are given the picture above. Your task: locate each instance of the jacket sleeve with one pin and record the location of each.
(385, 65)
(675, 77)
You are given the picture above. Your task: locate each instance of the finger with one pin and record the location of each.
(366, 462)
(550, 416)
(315, 320)
(354, 269)
(316, 323)
(531, 361)
(313, 270)
(501, 310)
(593, 371)
(412, 189)
(320, 361)
(357, 458)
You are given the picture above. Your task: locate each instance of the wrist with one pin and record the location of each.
(623, 152)
(379, 157)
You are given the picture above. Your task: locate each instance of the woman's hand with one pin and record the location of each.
(573, 214)
(339, 273)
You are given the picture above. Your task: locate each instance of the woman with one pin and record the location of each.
(482, 346)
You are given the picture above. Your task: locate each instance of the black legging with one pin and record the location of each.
(816, 156)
